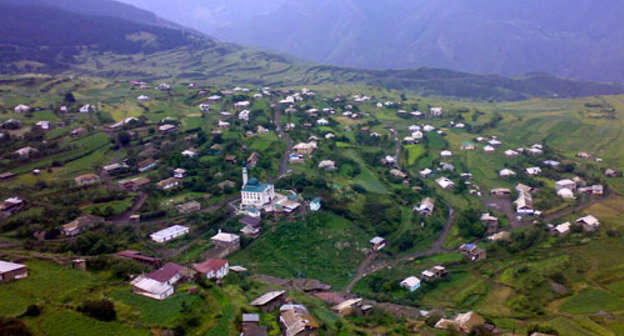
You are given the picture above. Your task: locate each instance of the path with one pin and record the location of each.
(283, 164)
(366, 267)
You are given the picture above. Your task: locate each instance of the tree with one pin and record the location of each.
(124, 138)
(69, 98)
(10, 326)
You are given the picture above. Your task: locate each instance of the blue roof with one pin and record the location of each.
(470, 246)
(316, 200)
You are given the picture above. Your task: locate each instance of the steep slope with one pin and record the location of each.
(568, 38)
(49, 40)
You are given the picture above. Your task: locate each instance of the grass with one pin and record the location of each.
(69, 323)
(322, 246)
(154, 312)
(590, 301)
(414, 152)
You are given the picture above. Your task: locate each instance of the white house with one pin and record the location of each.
(589, 223)
(151, 288)
(223, 124)
(169, 233)
(445, 183)
(87, 108)
(244, 115)
(506, 173)
(378, 243)
(561, 229)
(190, 153)
(533, 170)
(43, 124)
(411, 283)
(242, 104)
(565, 184)
(428, 128)
(143, 98)
(488, 149)
(446, 154)
(511, 152)
(565, 193)
(204, 107)
(322, 122)
(436, 111)
(22, 108)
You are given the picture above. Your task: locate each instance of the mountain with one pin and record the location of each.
(567, 38)
(48, 39)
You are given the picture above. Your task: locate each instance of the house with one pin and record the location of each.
(425, 173)
(436, 111)
(166, 128)
(445, 183)
(250, 321)
(304, 148)
(22, 108)
(253, 159)
(378, 243)
(139, 256)
(511, 152)
(417, 135)
(213, 268)
(10, 271)
(551, 163)
(426, 207)
(489, 149)
(506, 173)
(447, 166)
(612, 173)
(565, 184)
(190, 153)
(428, 128)
(327, 165)
(78, 131)
(589, 223)
(6, 176)
(596, 189)
(146, 165)
(11, 206)
(43, 124)
(437, 272)
(411, 283)
(473, 252)
(134, 184)
(566, 193)
(179, 173)
(466, 145)
(169, 233)
(446, 154)
(268, 301)
(26, 152)
(347, 307)
(231, 159)
(467, 322)
(169, 274)
(500, 192)
(494, 143)
(252, 226)
(168, 183)
(226, 242)
(244, 115)
(87, 108)
(80, 224)
(315, 204)
(204, 107)
(388, 160)
(188, 207)
(490, 221)
(533, 170)
(397, 173)
(242, 104)
(524, 203)
(223, 124)
(561, 229)
(143, 98)
(151, 288)
(87, 179)
(297, 321)
(254, 193)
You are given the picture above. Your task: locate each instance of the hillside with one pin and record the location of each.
(50, 40)
(568, 38)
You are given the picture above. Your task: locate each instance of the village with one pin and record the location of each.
(192, 187)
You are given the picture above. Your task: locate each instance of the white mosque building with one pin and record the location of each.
(254, 193)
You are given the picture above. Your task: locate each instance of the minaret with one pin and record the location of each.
(245, 177)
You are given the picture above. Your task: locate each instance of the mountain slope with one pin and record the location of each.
(50, 40)
(568, 38)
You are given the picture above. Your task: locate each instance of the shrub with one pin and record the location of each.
(103, 310)
(13, 327)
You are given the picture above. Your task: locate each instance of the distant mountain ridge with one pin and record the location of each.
(567, 38)
(48, 39)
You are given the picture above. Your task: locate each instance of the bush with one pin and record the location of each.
(103, 310)
(32, 310)
(13, 327)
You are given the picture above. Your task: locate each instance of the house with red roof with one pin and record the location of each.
(213, 268)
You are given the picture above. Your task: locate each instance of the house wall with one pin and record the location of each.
(13, 275)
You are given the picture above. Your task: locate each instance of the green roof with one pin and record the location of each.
(253, 185)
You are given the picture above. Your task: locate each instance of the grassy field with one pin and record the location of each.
(322, 246)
